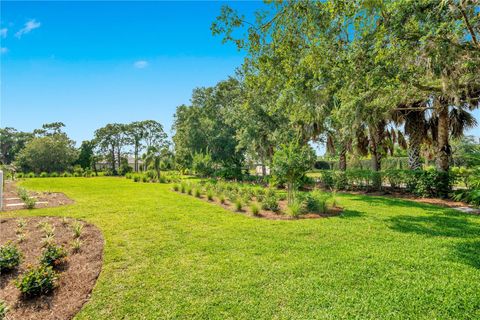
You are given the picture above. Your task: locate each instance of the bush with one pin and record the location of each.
(53, 255)
(202, 164)
(31, 175)
(3, 310)
(221, 197)
(77, 229)
(255, 209)
(54, 174)
(295, 209)
(43, 175)
(197, 193)
(10, 257)
(182, 188)
(144, 178)
(189, 190)
(36, 281)
(176, 187)
(136, 178)
(23, 194)
(210, 195)
(66, 174)
(270, 201)
(128, 176)
(315, 202)
(238, 204)
(19, 175)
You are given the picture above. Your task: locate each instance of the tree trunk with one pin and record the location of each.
(377, 133)
(443, 147)
(415, 130)
(342, 162)
(136, 157)
(113, 160)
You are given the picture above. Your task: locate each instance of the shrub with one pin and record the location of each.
(315, 201)
(66, 174)
(136, 178)
(255, 209)
(210, 195)
(162, 179)
(270, 201)
(30, 203)
(31, 175)
(189, 190)
(3, 310)
(221, 197)
(203, 164)
(54, 174)
(36, 281)
(176, 187)
(128, 175)
(43, 175)
(77, 229)
(19, 176)
(295, 209)
(76, 245)
(22, 194)
(144, 178)
(10, 257)
(197, 193)
(48, 229)
(53, 255)
(238, 204)
(182, 188)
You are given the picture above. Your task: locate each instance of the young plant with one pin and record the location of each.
(21, 223)
(77, 229)
(10, 257)
(176, 187)
(22, 194)
(182, 188)
(238, 204)
(48, 229)
(221, 197)
(197, 193)
(37, 281)
(255, 209)
(30, 203)
(3, 310)
(21, 237)
(76, 245)
(295, 209)
(210, 195)
(189, 190)
(53, 255)
(48, 240)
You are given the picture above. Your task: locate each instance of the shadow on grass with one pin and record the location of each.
(468, 252)
(351, 214)
(387, 201)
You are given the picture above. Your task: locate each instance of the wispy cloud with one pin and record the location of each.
(140, 64)
(3, 32)
(3, 50)
(29, 26)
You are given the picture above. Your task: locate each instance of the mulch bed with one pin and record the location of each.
(77, 276)
(52, 199)
(270, 215)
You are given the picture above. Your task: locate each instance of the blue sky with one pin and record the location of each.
(92, 63)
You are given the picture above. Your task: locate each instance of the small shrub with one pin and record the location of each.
(210, 195)
(176, 187)
(21, 237)
(10, 257)
(221, 198)
(128, 176)
(182, 188)
(189, 190)
(136, 178)
(197, 193)
(30, 203)
(19, 175)
(76, 245)
(77, 229)
(54, 175)
(36, 281)
(66, 174)
(48, 240)
(43, 175)
(48, 229)
(270, 201)
(144, 178)
(238, 204)
(22, 194)
(255, 209)
(53, 255)
(3, 310)
(162, 179)
(295, 209)
(21, 223)
(316, 202)
(31, 175)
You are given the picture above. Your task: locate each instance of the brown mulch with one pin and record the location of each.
(270, 215)
(77, 276)
(53, 199)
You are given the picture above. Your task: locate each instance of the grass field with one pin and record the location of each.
(171, 256)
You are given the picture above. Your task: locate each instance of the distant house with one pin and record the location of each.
(102, 165)
(259, 170)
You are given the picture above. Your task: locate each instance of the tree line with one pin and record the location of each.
(49, 149)
(363, 77)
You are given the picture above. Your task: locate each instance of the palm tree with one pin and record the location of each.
(153, 158)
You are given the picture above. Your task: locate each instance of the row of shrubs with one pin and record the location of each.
(43, 278)
(152, 176)
(255, 197)
(424, 183)
(86, 173)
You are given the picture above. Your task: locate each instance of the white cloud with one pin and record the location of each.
(3, 50)
(140, 64)
(3, 32)
(29, 26)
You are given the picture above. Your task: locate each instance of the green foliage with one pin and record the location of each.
(270, 201)
(291, 162)
(43, 175)
(37, 281)
(210, 195)
(176, 187)
(315, 201)
(77, 229)
(238, 204)
(3, 310)
(295, 209)
(254, 208)
(197, 192)
(202, 164)
(10, 257)
(53, 255)
(76, 245)
(30, 203)
(47, 154)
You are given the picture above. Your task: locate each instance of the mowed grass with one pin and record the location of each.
(172, 256)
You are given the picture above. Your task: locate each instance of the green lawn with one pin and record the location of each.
(173, 256)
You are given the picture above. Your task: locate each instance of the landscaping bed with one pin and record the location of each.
(76, 275)
(12, 201)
